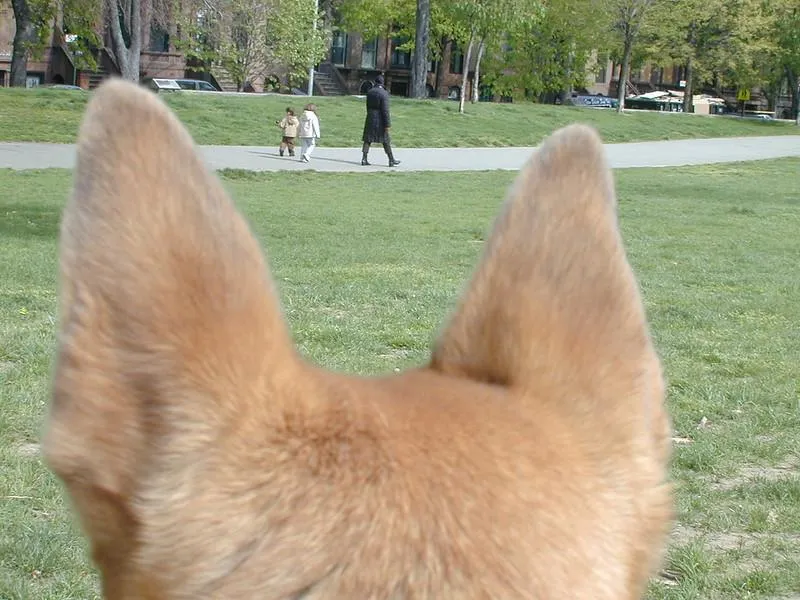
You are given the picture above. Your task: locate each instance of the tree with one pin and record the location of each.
(25, 37)
(244, 44)
(34, 20)
(469, 13)
(126, 20)
(372, 18)
(419, 70)
(786, 62)
(546, 53)
(627, 19)
(294, 40)
(246, 37)
(495, 18)
(476, 78)
(467, 59)
(712, 39)
(776, 56)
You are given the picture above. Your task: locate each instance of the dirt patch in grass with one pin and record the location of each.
(787, 468)
(31, 450)
(729, 540)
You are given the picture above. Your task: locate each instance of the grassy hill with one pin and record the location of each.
(54, 116)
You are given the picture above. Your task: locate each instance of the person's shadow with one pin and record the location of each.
(276, 156)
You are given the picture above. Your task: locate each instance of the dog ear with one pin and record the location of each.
(553, 298)
(168, 316)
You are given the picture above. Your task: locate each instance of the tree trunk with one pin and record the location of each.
(440, 66)
(688, 105)
(419, 70)
(327, 10)
(127, 56)
(793, 83)
(625, 70)
(465, 74)
(387, 60)
(476, 80)
(23, 37)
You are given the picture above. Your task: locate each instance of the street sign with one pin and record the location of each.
(743, 95)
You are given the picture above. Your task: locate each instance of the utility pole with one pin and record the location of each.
(311, 69)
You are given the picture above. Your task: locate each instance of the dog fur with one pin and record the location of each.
(207, 459)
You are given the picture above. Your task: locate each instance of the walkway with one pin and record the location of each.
(253, 158)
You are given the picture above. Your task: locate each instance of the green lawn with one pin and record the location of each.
(716, 249)
(54, 115)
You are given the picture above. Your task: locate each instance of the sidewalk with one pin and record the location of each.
(253, 158)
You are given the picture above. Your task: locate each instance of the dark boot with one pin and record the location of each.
(364, 152)
(364, 161)
(387, 147)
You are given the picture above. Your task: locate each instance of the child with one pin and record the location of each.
(288, 126)
(309, 131)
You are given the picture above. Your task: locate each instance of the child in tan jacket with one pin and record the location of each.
(288, 126)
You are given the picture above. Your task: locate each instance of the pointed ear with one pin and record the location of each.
(150, 236)
(553, 298)
(168, 316)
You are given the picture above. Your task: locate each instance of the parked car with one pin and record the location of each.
(158, 84)
(63, 86)
(197, 85)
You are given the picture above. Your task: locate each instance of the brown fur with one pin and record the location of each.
(206, 459)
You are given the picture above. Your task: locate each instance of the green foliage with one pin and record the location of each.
(199, 40)
(242, 47)
(373, 18)
(625, 21)
(786, 32)
(783, 65)
(548, 52)
(42, 14)
(728, 39)
(251, 39)
(83, 19)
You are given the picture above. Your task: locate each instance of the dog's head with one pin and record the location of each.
(207, 459)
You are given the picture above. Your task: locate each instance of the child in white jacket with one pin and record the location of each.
(309, 131)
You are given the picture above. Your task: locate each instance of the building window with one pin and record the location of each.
(456, 60)
(657, 76)
(159, 40)
(399, 88)
(401, 59)
(601, 75)
(33, 80)
(339, 48)
(369, 54)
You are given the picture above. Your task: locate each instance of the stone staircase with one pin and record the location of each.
(105, 68)
(326, 83)
(96, 77)
(223, 79)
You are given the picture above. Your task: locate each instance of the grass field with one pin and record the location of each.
(716, 250)
(54, 115)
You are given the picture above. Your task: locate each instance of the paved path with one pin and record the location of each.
(253, 158)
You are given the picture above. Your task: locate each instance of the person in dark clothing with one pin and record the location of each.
(378, 122)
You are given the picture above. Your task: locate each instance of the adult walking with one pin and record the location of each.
(378, 122)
